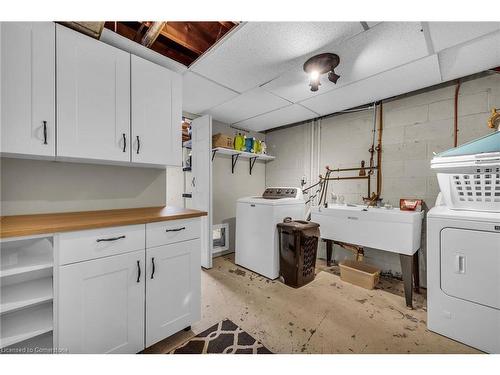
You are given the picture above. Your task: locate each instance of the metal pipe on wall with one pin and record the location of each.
(455, 112)
(379, 151)
(311, 154)
(318, 145)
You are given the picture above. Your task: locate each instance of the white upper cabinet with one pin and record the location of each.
(93, 98)
(27, 88)
(156, 113)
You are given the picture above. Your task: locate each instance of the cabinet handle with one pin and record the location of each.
(124, 142)
(138, 271)
(138, 144)
(44, 132)
(153, 271)
(175, 230)
(110, 239)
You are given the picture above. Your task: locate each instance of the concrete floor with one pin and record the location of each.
(325, 316)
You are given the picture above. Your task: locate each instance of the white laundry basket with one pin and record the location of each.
(469, 175)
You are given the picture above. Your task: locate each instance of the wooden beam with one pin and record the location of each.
(183, 34)
(153, 31)
(130, 32)
(227, 24)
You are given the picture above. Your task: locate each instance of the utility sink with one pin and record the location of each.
(379, 228)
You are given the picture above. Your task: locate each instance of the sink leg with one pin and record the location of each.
(329, 252)
(416, 273)
(406, 270)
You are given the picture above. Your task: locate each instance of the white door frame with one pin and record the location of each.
(201, 181)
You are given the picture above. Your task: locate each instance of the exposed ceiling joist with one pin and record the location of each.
(151, 35)
(181, 41)
(183, 34)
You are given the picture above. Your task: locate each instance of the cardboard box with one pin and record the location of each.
(360, 274)
(222, 140)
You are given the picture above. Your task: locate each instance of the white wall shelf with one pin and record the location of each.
(235, 154)
(25, 294)
(25, 324)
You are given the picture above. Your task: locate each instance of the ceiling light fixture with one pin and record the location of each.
(321, 64)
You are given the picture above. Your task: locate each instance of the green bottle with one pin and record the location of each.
(239, 142)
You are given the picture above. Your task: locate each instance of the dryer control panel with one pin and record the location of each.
(282, 192)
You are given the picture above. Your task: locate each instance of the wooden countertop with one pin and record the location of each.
(28, 225)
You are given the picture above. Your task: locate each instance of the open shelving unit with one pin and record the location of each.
(29, 293)
(26, 324)
(26, 293)
(235, 155)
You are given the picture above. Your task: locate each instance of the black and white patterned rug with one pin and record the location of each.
(224, 337)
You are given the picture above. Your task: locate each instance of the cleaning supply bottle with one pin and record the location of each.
(263, 147)
(239, 142)
(249, 144)
(257, 146)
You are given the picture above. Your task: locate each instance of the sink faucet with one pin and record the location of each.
(372, 201)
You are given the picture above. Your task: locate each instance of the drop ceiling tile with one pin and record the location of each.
(413, 76)
(449, 34)
(386, 46)
(283, 116)
(472, 57)
(244, 106)
(201, 94)
(260, 51)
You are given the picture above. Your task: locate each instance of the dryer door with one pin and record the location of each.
(470, 265)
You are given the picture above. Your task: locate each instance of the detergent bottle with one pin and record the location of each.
(249, 141)
(239, 142)
(257, 146)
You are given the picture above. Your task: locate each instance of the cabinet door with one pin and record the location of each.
(151, 112)
(101, 305)
(27, 88)
(93, 98)
(172, 289)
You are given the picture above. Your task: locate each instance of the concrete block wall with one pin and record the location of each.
(415, 126)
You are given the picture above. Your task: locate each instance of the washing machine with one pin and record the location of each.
(463, 276)
(256, 244)
(463, 246)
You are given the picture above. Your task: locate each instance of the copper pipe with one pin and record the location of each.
(495, 117)
(455, 123)
(346, 178)
(372, 148)
(349, 169)
(358, 250)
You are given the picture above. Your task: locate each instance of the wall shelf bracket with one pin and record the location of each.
(252, 163)
(213, 154)
(234, 160)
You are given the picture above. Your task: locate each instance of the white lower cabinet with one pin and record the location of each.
(172, 289)
(125, 299)
(101, 305)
